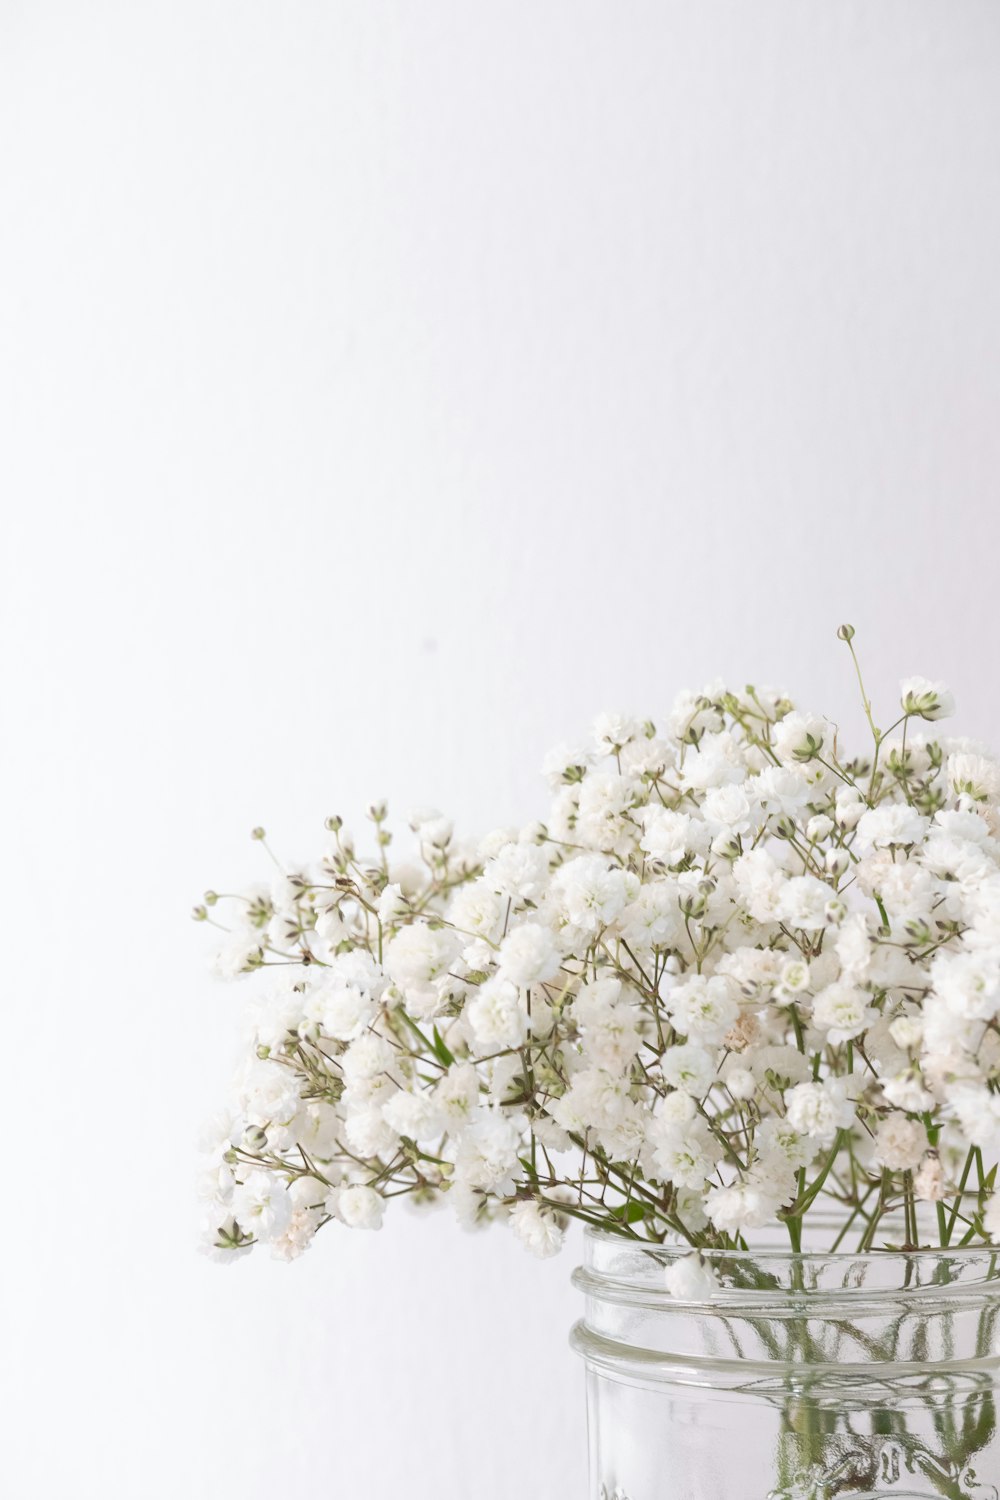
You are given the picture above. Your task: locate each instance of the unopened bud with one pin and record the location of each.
(845, 633)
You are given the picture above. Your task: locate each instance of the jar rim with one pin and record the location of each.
(780, 1253)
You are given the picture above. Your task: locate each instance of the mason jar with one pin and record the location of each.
(801, 1377)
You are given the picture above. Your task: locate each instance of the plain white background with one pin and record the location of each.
(386, 389)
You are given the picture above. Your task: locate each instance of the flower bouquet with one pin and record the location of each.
(734, 1006)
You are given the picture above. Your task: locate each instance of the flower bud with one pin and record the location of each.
(845, 633)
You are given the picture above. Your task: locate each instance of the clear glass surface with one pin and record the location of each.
(805, 1377)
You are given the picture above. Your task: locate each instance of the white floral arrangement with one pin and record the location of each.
(737, 976)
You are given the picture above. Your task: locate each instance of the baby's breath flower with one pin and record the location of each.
(734, 977)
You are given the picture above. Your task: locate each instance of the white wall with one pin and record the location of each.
(388, 388)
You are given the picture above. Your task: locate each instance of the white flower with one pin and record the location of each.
(343, 1010)
(715, 760)
(891, 824)
(419, 954)
(528, 955)
(976, 776)
(969, 983)
(819, 1110)
(497, 1016)
(654, 918)
(978, 1114)
(794, 976)
(261, 1206)
(487, 1156)
(413, 1115)
(843, 1012)
(927, 700)
(689, 1067)
(782, 790)
(241, 954)
(223, 1241)
(539, 1231)
(518, 872)
(760, 884)
(431, 826)
(929, 1182)
(777, 1140)
(456, 1095)
(730, 808)
(590, 891)
(369, 1133)
(392, 904)
(668, 836)
(906, 1090)
(269, 1094)
(850, 806)
(685, 1154)
(613, 731)
(297, 1237)
(595, 1099)
(675, 1108)
(564, 762)
(691, 1279)
(605, 799)
(799, 737)
(609, 1027)
(803, 903)
(741, 1083)
(366, 1058)
(477, 911)
(900, 1143)
(361, 1207)
(741, 1206)
(777, 1068)
(703, 1008)
(907, 1032)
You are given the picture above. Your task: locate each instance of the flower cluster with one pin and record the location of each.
(736, 974)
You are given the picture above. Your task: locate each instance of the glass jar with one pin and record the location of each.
(804, 1376)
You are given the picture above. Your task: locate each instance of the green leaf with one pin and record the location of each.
(628, 1213)
(441, 1051)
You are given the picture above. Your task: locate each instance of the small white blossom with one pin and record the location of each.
(529, 955)
(539, 1231)
(900, 1143)
(360, 1207)
(261, 1206)
(691, 1279)
(819, 1110)
(925, 699)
